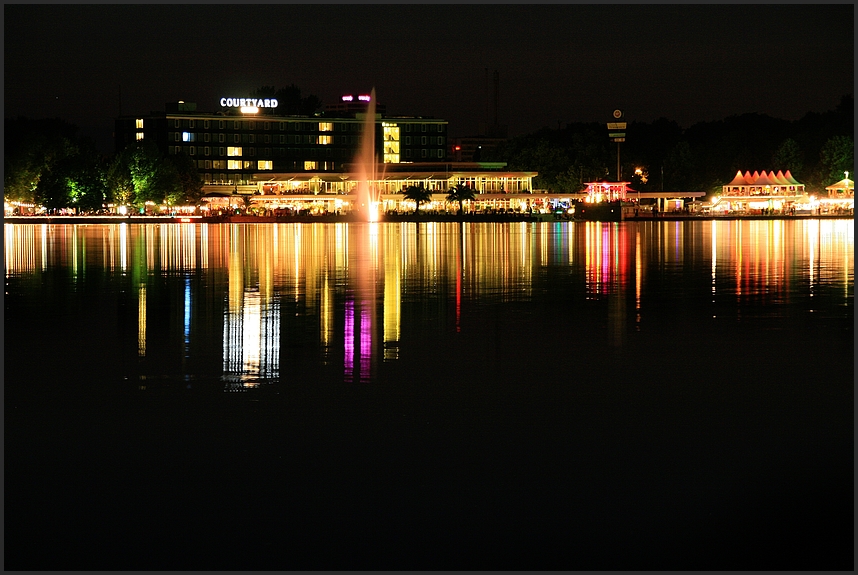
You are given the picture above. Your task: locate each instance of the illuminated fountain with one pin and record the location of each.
(368, 196)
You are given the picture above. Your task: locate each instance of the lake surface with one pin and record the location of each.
(556, 395)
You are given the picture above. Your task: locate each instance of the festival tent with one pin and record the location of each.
(843, 187)
(739, 180)
(790, 179)
(781, 178)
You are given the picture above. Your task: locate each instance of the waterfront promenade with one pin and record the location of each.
(406, 217)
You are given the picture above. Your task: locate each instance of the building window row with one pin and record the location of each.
(251, 125)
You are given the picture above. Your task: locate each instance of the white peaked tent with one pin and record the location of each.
(841, 196)
(844, 187)
(763, 184)
(761, 191)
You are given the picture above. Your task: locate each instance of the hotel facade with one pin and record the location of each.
(236, 146)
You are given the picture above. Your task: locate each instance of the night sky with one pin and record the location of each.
(556, 63)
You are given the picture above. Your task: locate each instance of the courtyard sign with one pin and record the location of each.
(248, 102)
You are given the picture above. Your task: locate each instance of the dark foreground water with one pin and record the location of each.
(668, 395)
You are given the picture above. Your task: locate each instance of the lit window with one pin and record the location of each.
(231, 151)
(264, 165)
(390, 132)
(248, 165)
(139, 135)
(233, 164)
(188, 136)
(139, 123)
(326, 139)
(326, 126)
(308, 165)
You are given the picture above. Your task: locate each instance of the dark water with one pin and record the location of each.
(669, 395)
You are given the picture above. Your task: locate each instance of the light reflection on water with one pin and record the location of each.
(277, 301)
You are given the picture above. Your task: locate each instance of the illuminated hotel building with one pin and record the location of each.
(246, 139)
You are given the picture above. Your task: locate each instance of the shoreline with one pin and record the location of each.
(389, 218)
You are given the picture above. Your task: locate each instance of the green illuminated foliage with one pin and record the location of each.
(141, 173)
(837, 156)
(32, 148)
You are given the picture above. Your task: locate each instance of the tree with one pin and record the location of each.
(417, 194)
(837, 156)
(85, 180)
(147, 174)
(460, 193)
(33, 147)
(788, 157)
(190, 184)
(141, 173)
(120, 187)
(679, 168)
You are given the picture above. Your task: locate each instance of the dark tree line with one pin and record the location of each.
(817, 149)
(46, 163)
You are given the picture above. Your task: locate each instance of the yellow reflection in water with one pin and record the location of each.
(356, 277)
